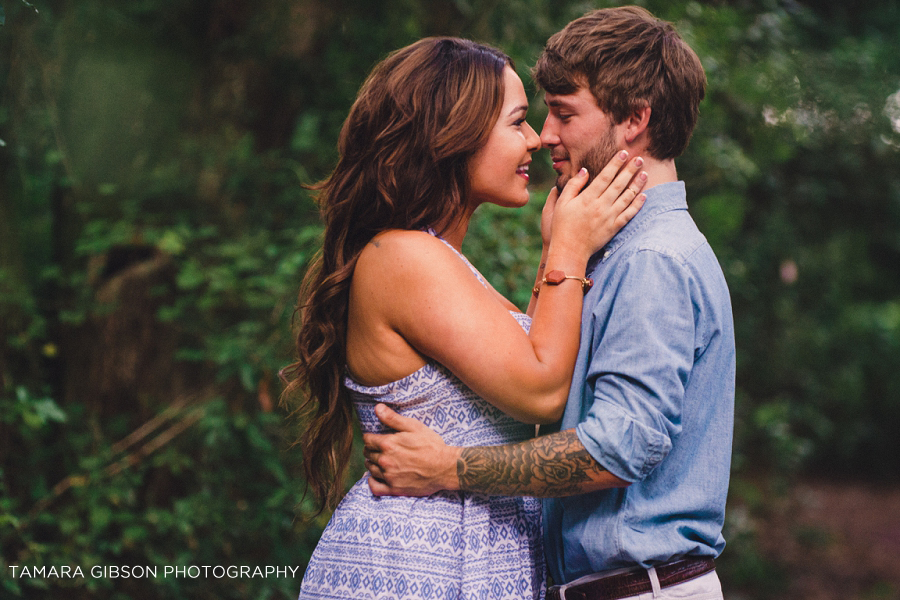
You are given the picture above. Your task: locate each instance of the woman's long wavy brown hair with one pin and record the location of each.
(404, 153)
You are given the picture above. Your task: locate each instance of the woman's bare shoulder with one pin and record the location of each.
(401, 250)
(398, 240)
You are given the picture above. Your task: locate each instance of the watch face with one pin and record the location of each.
(555, 277)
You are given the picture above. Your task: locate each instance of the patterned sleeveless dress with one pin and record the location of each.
(451, 545)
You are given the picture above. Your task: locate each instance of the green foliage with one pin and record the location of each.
(221, 495)
(506, 244)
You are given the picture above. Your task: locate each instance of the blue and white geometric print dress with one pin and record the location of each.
(451, 545)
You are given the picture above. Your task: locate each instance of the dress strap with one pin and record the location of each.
(472, 268)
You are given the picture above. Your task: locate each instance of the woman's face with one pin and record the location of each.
(498, 172)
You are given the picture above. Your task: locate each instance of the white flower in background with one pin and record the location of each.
(892, 110)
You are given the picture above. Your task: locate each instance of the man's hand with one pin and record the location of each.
(415, 461)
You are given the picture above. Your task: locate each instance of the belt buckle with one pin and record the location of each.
(559, 592)
(574, 594)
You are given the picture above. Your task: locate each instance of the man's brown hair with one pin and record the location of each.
(629, 59)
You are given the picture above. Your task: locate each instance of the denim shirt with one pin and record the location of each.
(652, 399)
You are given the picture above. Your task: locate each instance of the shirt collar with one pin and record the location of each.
(660, 198)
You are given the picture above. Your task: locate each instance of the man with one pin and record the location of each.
(635, 476)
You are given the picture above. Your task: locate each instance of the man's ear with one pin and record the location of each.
(636, 123)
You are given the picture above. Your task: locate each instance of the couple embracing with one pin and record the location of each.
(625, 355)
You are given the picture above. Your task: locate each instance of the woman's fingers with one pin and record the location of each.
(611, 175)
(547, 215)
(632, 190)
(573, 187)
(592, 214)
(632, 209)
(615, 177)
(615, 182)
(551, 198)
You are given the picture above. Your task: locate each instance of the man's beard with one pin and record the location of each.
(595, 159)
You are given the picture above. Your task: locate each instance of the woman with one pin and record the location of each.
(393, 313)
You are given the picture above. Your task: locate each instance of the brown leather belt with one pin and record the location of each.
(635, 582)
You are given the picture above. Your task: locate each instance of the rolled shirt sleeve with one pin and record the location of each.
(641, 359)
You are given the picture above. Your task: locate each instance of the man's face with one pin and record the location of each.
(578, 134)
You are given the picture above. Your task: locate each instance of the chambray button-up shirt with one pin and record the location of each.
(652, 399)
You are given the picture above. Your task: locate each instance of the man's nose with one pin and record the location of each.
(549, 136)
